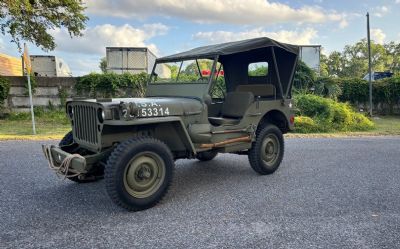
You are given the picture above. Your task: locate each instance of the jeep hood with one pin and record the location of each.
(155, 106)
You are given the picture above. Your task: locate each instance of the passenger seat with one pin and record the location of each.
(233, 108)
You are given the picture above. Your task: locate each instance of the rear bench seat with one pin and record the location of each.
(258, 90)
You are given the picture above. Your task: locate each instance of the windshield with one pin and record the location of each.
(187, 71)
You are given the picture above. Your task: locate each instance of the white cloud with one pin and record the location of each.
(304, 37)
(381, 11)
(378, 36)
(343, 24)
(82, 66)
(397, 1)
(95, 39)
(260, 12)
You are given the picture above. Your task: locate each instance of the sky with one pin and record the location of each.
(171, 26)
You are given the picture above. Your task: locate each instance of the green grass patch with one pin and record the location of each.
(387, 125)
(48, 122)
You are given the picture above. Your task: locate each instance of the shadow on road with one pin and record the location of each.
(192, 179)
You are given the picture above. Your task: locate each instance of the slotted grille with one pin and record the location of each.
(85, 123)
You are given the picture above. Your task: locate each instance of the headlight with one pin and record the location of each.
(128, 110)
(100, 115)
(133, 109)
(70, 112)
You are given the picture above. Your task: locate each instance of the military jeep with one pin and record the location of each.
(228, 98)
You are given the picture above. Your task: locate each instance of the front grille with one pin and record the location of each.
(85, 123)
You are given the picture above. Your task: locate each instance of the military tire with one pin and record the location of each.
(206, 155)
(67, 140)
(138, 173)
(267, 151)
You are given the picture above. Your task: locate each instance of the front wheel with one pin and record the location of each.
(266, 153)
(138, 173)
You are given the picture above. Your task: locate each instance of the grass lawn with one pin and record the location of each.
(54, 125)
(24, 127)
(387, 125)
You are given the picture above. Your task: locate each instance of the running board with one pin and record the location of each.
(229, 141)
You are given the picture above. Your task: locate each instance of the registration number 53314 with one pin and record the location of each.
(154, 112)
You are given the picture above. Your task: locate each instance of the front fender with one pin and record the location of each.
(163, 130)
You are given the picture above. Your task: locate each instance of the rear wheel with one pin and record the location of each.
(138, 173)
(266, 153)
(206, 155)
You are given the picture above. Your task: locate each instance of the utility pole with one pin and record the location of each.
(28, 67)
(369, 67)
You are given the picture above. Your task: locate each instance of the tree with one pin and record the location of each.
(393, 51)
(258, 70)
(323, 66)
(353, 61)
(335, 64)
(31, 20)
(192, 68)
(304, 78)
(103, 65)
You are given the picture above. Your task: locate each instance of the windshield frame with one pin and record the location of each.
(196, 60)
(153, 87)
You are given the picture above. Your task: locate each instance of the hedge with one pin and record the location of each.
(4, 89)
(111, 85)
(354, 90)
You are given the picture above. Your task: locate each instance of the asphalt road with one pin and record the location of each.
(328, 193)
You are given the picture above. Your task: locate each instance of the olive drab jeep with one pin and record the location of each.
(227, 98)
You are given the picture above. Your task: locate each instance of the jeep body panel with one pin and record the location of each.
(179, 113)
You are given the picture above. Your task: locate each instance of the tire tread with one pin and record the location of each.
(110, 172)
(254, 153)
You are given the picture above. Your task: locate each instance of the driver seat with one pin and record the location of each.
(233, 108)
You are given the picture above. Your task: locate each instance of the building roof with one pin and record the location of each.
(10, 66)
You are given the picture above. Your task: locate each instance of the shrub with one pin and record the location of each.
(328, 115)
(304, 124)
(111, 85)
(4, 89)
(304, 78)
(342, 116)
(360, 123)
(313, 106)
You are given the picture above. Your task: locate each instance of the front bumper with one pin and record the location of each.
(56, 156)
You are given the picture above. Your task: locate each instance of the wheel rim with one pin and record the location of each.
(144, 174)
(270, 149)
